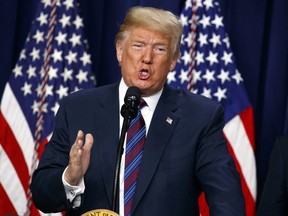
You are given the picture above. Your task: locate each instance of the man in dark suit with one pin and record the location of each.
(274, 199)
(185, 152)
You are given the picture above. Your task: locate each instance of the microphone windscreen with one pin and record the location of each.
(133, 93)
(131, 102)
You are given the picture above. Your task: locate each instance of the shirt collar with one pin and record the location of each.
(151, 101)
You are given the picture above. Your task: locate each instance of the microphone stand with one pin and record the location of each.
(125, 126)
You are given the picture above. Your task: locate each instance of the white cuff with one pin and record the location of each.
(73, 192)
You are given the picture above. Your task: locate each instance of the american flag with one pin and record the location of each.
(207, 67)
(53, 63)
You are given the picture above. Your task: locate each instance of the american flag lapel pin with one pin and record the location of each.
(169, 120)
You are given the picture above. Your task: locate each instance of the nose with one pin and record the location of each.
(146, 60)
(147, 57)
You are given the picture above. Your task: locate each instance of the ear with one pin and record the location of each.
(172, 64)
(119, 50)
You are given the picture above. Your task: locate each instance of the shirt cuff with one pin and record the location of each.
(73, 193)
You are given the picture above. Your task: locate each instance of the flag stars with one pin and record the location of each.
(78, 22)
(85, 58)
(52, 73)
(215, 39)
(55, 108)
(188, 4)
(65, 21)
(220, 94)
(75, 39)
(61, 38)
(39, 36)
(17, 71)
(76, 89)
(42, 18)
(209, 76)
(226, 41)
(237, 77)
(212, 58)
(46, 3)
(198, 4)
(182, 39)
(48, 90)
(199, 58)
(217, 21)
(26, 89)
(35, 54)
(223, 76)
(35, 107)
(57, 55)
(205, 21)
(183, 76)
(208, 4)
(62, 91)
(171, 77)
(22, 54)
(82, 76)
(202, 39)
(71, 57)
(196, 76)
(186, 57)
(184, 20)
(189, 40)
(31, 72)
(39, 90)
(67, 75)
(227, 57)
(43, 108)
(206, 92)
(68, 4)
(42, 72)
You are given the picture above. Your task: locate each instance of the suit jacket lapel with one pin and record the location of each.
(161, 129)
(107, 136)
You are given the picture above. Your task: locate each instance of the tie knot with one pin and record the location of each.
(142, 103)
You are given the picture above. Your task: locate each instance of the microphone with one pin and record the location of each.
(129, 111)
(132, 101)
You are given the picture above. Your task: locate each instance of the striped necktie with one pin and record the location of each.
(135, 141)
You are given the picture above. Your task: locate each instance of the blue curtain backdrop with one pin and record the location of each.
(258, 32)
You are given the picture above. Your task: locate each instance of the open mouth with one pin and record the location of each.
(144, 74)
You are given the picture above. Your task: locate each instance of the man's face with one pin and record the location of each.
(146, 58)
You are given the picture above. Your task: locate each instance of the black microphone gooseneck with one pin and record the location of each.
(129, 111)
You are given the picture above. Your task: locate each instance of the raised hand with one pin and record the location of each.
(79, 158)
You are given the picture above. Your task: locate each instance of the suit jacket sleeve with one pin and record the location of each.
(216, 170)
(47, 187)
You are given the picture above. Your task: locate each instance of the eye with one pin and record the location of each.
(160, 49)
(137, 46)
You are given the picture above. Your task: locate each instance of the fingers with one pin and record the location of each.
(86, 152)
(79, 158)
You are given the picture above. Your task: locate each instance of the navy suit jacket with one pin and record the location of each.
(181, 158)
(274, 199)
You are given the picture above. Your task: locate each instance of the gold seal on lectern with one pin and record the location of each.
(100, 212)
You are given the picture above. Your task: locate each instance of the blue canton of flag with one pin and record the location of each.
(207, 67)
(214, 73)
(69, 64)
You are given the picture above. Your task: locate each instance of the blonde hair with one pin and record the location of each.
(154, 19)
